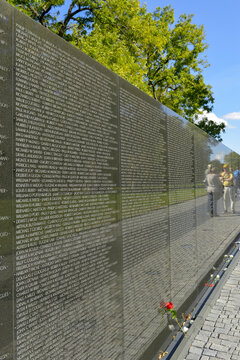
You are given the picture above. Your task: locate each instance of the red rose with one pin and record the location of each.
(169, 305)
(211, 285)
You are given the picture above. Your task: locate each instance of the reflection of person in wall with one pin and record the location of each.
(236, 181)
(208, 170)
(227, 180)
(214, 189)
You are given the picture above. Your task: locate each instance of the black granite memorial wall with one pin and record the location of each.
(103, 207)
(7, 217)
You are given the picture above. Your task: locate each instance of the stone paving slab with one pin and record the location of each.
(216, 331)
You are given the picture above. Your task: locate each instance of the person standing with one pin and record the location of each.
(228, 195)
(214, 189)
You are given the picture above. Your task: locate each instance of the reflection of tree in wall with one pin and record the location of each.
(203, 152)
(210, 127)
(233, 159)
(217, 165)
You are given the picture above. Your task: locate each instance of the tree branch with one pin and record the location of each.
(43, 14)
(160, 67)
(67, 19)
(34, 11)
(153, 89)
(169, 87)
(79, 10)
(70, 16)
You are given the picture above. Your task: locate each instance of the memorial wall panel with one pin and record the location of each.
(6, 186)
(103, 188)
(182, 216)
(68, 268)
(144, 217)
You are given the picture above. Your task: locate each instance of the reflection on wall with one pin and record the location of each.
(144, 217)
(103, 204)
(182, 208)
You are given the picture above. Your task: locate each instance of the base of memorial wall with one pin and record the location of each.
(166, 338)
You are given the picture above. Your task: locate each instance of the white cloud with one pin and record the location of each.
(232, 116)
(220, 156)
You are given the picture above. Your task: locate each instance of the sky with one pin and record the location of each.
(220, 19)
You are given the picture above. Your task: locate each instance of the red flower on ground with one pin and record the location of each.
(209, 285)
(169, 305)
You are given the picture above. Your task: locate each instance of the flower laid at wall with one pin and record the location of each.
(168, 309)
(214, 279)
(169, 305)
(209, 285)
(162, 354)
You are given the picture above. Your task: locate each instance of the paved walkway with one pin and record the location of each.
(216, 331)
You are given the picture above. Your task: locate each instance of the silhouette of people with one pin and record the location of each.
(214, 189)
(228, 195)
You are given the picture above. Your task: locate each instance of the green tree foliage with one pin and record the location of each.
(162, 57)
(115, 40)
(175, 71)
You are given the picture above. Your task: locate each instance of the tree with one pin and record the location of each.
(233, 159)
(163, 58)
(175, 71)
(115, 40)
(80, 12)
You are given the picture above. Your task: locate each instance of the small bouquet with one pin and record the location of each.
(168, 309)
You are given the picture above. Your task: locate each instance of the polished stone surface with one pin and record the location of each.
(103, 204)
